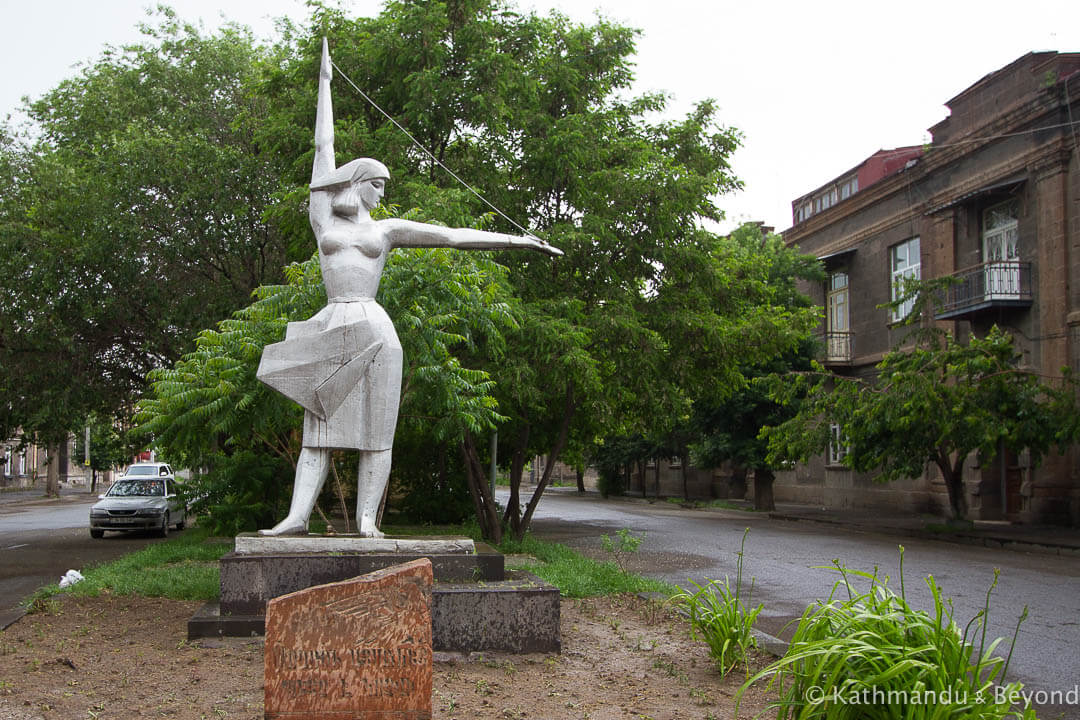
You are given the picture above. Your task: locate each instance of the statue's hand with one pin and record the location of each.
(543, 246)
(325, 72)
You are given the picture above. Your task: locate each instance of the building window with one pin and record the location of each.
(838, 447)
(837, 335)
(1001, 252)
(904, 265)
(849, 187)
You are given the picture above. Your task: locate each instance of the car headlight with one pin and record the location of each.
(152, 511)
(98, 513)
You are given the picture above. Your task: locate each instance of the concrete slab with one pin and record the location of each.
(517, 615)
(252, 544)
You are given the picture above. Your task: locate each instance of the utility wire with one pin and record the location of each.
(958, 143)
(430, 154)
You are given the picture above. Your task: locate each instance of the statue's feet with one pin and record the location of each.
(288, 526)
(372, 532)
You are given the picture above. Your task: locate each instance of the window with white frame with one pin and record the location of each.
(904, 264)
(838, 447)
(849, 187)
(1001, 252)
(837, 338)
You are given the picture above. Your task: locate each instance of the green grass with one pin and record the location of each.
(186, 568)
(578, 576)
(182, 568)
(721, 617)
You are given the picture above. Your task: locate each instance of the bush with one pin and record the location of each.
(719, 616)
(871, 654)
(238, 494)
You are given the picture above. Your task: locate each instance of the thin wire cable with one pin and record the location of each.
(958, 143)
(430, 154)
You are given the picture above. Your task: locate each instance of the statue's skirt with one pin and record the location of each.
(344, 367)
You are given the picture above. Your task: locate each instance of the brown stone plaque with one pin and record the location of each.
(353, 650)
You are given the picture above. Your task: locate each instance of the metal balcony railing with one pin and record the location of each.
(992, 284)
(839, 347)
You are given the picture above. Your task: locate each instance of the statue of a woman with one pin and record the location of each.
(344, 364)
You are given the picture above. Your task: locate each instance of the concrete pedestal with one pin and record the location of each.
(475, 606)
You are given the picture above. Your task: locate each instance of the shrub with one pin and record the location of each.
(872, 655)
(719, 616)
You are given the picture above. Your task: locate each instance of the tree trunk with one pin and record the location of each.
(641, 475)
(580, 479)
(737, 484)
(487, 513)
(512, 514)
(684, 460)
(52, 475)
(763, 489)
(953, 475)
(522, 527)
(656, 478)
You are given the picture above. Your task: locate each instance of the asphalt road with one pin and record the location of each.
(782, 556)
(40, 541)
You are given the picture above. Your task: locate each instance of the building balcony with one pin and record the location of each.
(990, 285)
(839, 348)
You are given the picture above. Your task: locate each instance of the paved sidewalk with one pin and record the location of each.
(1054, 540)
(36, 495)
(1049, 539)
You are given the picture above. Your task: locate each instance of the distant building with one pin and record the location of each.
(994, 200)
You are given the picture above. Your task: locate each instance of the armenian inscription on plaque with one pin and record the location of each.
(353, 650)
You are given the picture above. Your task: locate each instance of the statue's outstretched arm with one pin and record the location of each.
(406, 233)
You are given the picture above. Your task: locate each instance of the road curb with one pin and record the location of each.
(990, 541)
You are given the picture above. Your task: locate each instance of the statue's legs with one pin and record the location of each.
(370, 486)
(311, 471)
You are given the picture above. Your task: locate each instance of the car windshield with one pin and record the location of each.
(138, 488)
(141, 470)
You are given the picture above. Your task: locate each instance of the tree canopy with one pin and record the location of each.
(135, 214)
(647, 311)
(932, 404)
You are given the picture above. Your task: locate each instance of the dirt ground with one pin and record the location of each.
(129, 658)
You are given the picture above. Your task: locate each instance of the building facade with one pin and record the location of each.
(993, 200)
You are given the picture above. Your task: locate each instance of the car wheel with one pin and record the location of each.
(97, 534)
(180, 525)
(164, 531)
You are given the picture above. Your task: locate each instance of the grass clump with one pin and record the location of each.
(720, 617)
(181, 568)
(871, 655)
(578, 576)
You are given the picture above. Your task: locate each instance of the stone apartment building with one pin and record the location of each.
(993, 200)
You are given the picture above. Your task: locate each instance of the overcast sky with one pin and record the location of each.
(814, 87)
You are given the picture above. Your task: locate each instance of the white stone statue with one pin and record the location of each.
(344, 364)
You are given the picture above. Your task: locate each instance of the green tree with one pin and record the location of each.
(108, 448)
(134, 215)
(933, 404)
(535, 112)
(726, 429)
(210, 406)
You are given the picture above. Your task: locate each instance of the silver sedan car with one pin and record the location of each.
(138, 503)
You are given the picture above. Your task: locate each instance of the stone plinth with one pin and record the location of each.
(251, 544)
(250, 579)
(354, 650)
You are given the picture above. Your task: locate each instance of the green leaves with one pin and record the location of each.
(935, 403)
